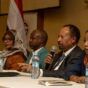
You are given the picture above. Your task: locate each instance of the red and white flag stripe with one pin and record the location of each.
(15, 22)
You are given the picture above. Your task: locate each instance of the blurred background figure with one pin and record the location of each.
(86, 47)
(81, 79)
(12, 55)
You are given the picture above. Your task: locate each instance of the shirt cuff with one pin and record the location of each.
(41, 72)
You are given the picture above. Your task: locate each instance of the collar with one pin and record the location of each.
(69, 51)
(37, 51)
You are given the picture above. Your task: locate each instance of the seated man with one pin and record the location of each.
(82, 78)
(69, 62)
(72, 62)
(37, 42)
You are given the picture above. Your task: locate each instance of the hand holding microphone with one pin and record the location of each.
(50, 57)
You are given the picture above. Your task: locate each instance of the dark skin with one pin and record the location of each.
(8, 42)
(65, 42)
(35, 42)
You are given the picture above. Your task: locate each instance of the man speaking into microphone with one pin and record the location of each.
(70, 60)
(49, 60)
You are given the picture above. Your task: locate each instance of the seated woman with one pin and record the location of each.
(81, 79)
(12, 55)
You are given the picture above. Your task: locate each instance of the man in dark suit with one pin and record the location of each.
(72, 62)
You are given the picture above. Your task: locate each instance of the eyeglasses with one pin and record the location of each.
(7, 39)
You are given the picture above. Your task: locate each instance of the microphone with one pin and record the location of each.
(52, 54)
(53, 51)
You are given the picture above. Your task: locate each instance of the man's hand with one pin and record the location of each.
(77, 79)
(49, 59)
(25, 67)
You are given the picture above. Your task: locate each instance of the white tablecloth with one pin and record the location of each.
(25, 81)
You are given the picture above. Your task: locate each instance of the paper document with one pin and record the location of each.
(13, 72)
(54, 83)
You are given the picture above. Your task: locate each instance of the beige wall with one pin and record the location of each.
(2, 29)
(71, 11)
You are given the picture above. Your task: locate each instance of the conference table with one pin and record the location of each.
(24, 80)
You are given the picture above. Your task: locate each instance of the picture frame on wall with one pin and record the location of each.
(30, 5)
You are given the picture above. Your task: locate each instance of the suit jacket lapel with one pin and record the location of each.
(55, 59)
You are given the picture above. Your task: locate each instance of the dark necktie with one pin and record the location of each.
(59, 60)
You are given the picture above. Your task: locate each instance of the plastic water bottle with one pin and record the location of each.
(35, 67)
(86, 80)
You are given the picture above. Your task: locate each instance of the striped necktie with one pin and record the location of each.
(59, 61)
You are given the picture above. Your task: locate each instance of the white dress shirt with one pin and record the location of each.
(34, 53)
(66, 54)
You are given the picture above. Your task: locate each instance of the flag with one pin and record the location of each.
(15, 22)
